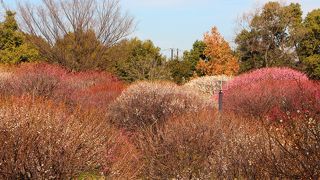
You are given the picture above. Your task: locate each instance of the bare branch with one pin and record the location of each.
(53, 19)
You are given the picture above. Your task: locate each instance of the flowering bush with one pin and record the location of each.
(87, 79)
(147, 103)
(88, 89)
(277, 93)
(208, 85)
(41, 140)
(277, 74)
(37, 79)
(97, 96)
(94, 89)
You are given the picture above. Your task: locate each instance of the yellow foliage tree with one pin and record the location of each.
(220, 57)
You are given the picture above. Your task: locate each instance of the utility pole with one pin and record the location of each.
(171, 54)
(177, 54)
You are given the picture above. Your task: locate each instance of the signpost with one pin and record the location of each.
(220, 100)
(220, 96)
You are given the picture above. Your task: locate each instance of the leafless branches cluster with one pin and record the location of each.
(53, 19)
(39, 140)
(206, 146)
(75, 33)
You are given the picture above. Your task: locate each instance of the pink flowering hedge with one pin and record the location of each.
(276, 93)
(89, 88)
(94, 89)
(37, 80)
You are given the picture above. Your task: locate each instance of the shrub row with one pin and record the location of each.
(51, 81)
(276, 93)
(177, 132)
(40, 139)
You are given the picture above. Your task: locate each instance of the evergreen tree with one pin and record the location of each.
(143, 61)
(309, 48)
(183, 70)
(13, 46)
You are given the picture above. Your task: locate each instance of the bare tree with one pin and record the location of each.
(53, 20)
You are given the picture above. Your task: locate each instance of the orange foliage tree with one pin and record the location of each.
(220, 57)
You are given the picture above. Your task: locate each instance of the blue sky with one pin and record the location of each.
(178, 23)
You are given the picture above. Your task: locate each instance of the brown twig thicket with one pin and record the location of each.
(40, 140)
(210, 146)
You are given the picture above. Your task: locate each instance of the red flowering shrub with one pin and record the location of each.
(89, 89)
(94, 89)
(279, 74)
(98, 96)
(86, 79)
(37, 80)
(40, 139)
(278, 93)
